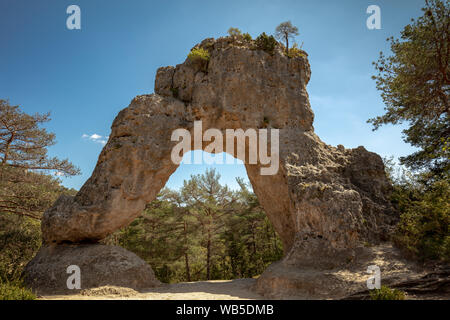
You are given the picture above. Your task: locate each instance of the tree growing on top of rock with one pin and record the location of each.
(234, 32)
(286, 31)
(415, 86)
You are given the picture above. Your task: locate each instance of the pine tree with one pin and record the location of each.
(415, 86)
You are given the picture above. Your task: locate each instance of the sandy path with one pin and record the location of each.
(239, 289)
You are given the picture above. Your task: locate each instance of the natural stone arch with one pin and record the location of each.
(135, 165)
(323, 201)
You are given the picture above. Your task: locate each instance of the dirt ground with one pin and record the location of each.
(394, 269)
(238, 289)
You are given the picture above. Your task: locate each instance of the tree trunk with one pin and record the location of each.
(188, 271)
(208, 257)
(186, 256)
(253, 238)
(287, 44)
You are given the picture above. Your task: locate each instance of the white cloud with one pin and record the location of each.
(95, 138)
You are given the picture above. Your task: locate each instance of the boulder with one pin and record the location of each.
(100, 265)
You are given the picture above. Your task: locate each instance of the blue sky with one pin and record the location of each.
(85, 77)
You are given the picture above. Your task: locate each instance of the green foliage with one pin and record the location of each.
(266, 43)
(204, 231)
(23, 144)
(295, 52)
(199, 57)
(199, 54)
(234, 32)
(20, 238)
(20, 231)
(286, 31)
(386, 293)
(415, 86)
(424, 222)
(247, 37)
(15, 291)
(423, 229)
(26, 191)
(237, 34)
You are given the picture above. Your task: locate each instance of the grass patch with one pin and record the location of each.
(386, 293)
(15, 291)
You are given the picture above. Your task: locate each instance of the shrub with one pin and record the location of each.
(295, 51)
(197, 54)
(20, 239)
(15, 291)
(234, 32)
(423, 229)
(200, 57)
(266, 43)
(386, 293)
(247, 37)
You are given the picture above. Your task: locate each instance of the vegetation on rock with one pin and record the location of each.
(295, 51)
(286, 31)
(199, 57)
(234, 32)
(266, 43)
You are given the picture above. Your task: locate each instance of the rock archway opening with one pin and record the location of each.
(205, 224)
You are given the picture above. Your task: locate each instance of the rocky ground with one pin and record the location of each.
(396, 271)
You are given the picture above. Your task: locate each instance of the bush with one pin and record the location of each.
(20, 239)
(234, 32)
(247, 37)
(199, 54)
(295, 51)
(266, 43)
(15, 291)
(423, 229)
(199, 57)
(386, 293)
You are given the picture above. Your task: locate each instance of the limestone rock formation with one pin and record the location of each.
(324, 201)
(99, 265)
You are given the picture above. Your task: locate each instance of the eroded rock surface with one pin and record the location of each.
(323, 202)
(100, 265)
